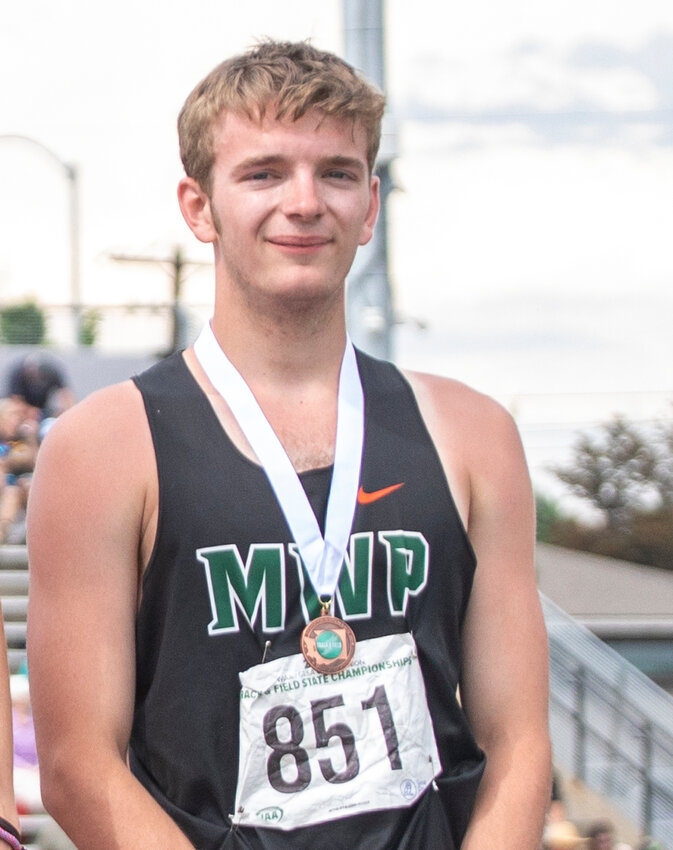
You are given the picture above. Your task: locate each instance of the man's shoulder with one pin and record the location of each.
(456, 403)
(96, 459)
(110, 417)
(473, 433)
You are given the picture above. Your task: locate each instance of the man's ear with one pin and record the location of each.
(195, 208)
(372, 212)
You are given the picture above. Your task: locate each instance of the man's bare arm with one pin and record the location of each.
(87, 515)
(504, 686)
(505, 689)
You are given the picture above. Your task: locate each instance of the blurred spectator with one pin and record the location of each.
(650, 844)
(601, 835)
(18, 450)
(26, 772)
(562, 835)
(38, 381)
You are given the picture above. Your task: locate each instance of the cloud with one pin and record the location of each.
(591, 93)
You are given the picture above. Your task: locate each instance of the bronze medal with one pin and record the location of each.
(328, 644)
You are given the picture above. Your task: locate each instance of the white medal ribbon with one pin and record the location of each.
(323, 558)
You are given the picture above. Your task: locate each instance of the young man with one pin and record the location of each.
(207, 671)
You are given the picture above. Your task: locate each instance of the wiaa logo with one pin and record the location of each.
(271, 814)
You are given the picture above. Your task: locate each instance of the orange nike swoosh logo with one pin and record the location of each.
(367, 498)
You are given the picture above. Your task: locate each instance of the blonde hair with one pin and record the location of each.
(292, 77)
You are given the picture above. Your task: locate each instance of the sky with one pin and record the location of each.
(530, 227)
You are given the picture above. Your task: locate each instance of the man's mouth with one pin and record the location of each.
(299, 243)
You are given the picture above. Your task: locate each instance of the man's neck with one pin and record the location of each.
(285, 348)
(293, 370)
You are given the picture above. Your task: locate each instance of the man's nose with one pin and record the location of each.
(303, 196)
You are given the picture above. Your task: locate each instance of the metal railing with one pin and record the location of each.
(611, 726)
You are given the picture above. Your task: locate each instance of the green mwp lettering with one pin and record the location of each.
(354, 588)
(408, 562)
(235, 587)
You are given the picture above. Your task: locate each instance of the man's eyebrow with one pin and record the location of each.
(269, 160)
(349, 162)
(253, 162)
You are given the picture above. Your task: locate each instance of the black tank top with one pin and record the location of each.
(193, 638)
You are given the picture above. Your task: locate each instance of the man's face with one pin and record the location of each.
(290, 203)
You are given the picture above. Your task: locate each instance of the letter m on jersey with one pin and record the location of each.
(236, 587)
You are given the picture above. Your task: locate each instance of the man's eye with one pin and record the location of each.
(260, 175)
(337, 174)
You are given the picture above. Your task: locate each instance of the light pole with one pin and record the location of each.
(370, 304)
(73, 202)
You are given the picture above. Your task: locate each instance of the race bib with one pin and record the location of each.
(317, 747)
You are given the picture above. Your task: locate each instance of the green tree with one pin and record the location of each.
(615, 469)
(626, 473)
(547, 516)
(651, 538)
(662, 475)
(22, 324)
(88, 326)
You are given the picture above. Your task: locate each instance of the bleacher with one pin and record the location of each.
(14, 593)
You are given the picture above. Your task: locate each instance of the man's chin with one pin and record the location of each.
(300, 296)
